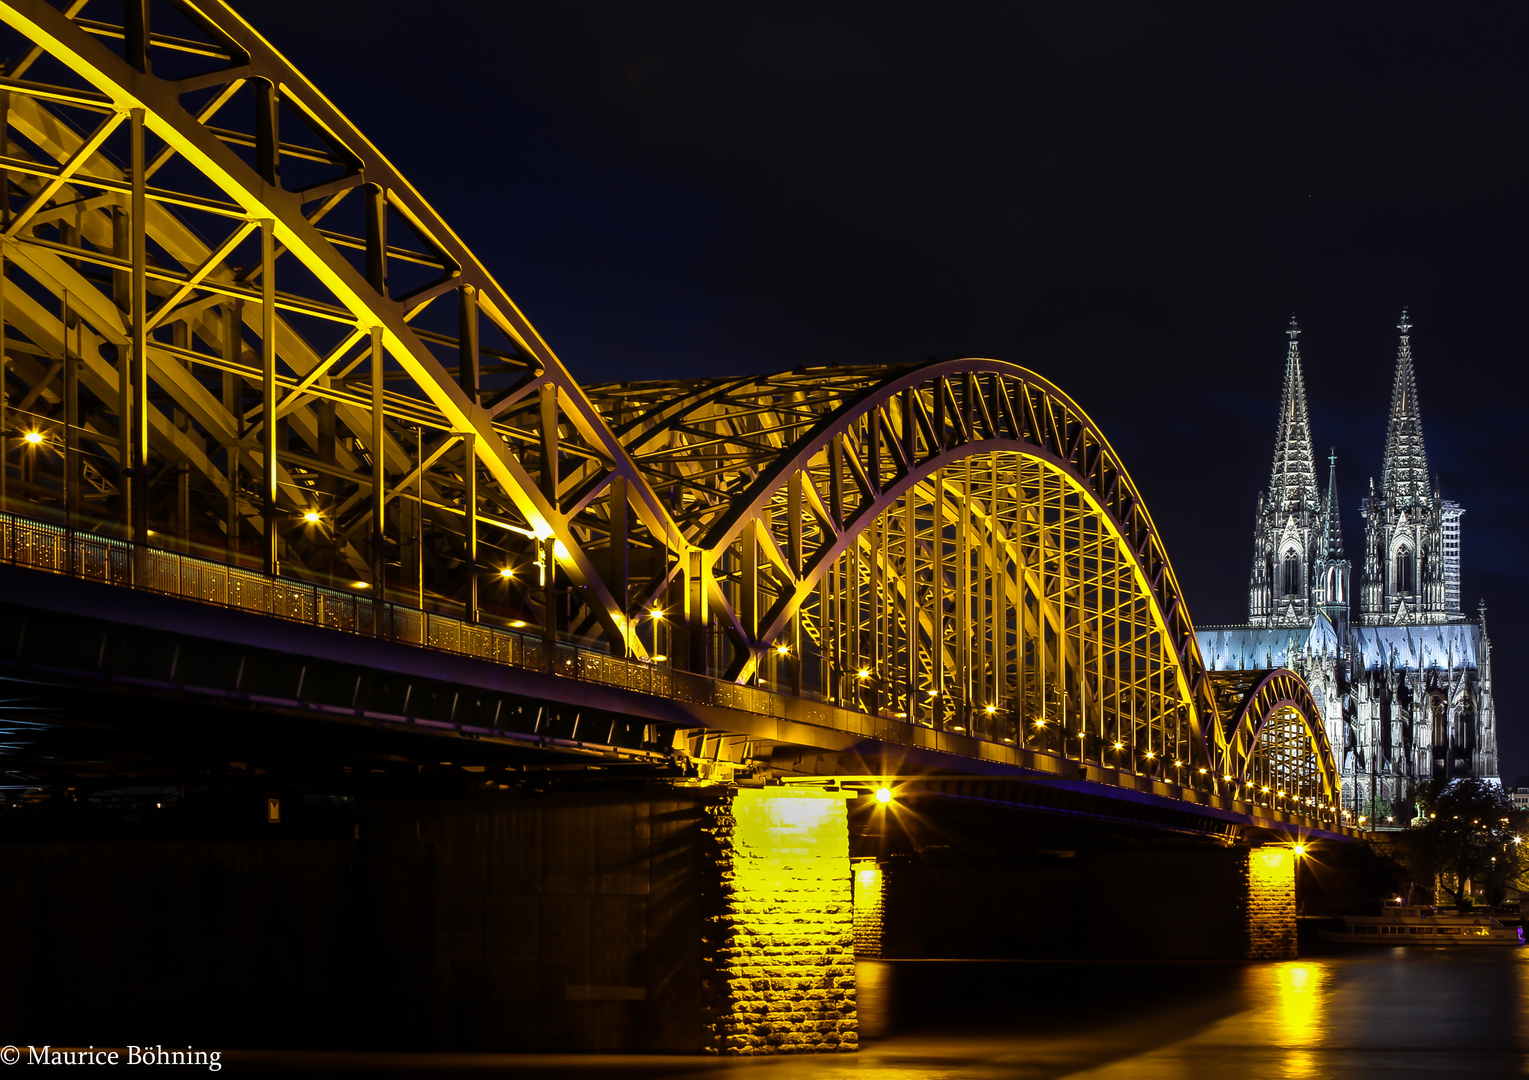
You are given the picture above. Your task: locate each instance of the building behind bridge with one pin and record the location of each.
(1403, 676)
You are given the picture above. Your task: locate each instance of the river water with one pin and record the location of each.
(1391, 1014)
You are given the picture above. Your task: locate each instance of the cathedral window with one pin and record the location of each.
(1405, 571)
(1292, 574)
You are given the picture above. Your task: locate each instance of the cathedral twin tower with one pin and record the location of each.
(1402, 676)
(1411, 568)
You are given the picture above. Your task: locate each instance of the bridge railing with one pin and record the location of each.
(92, 557)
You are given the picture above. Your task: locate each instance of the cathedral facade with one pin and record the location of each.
(1403, 676)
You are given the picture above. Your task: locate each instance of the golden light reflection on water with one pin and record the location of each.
(1290, 1003)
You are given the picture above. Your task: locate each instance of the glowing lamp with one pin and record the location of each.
(1300, 850)
(312, 517)
(883, 795)
(658, 613)
(863, 673)
(33, 437)
(506, 572)
(1120, 746)
(783, 649)
(991, 709)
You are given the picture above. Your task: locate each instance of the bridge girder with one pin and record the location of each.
(230, 328)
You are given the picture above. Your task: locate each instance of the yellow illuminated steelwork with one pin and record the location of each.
(960, 528)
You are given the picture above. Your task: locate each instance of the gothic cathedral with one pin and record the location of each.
(1404, 679)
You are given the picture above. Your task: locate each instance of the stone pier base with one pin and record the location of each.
(1269, 903)
(778, 951)
(869, 910)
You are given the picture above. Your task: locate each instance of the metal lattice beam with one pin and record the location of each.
(230, 329)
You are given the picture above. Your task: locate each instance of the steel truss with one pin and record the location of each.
(1277, 754)
(231, 329)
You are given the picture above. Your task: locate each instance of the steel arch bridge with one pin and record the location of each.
(232, 331)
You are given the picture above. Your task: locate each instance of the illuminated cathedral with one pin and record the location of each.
(1401, 673)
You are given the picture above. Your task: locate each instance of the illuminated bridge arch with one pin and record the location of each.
(954, 544)
(231, 329)
(276, 351)
(1276, 750)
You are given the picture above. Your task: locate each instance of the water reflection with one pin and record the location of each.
(1385, 1014)
(1295, 992)
(1389, 1014)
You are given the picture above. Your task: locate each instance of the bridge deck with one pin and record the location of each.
(87, 578)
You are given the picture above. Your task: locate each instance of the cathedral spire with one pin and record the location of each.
(1404, 475)
(1332, 527)
(1293, 481)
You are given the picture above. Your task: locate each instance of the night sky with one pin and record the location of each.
(1130, 200)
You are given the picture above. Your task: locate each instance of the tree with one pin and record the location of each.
(1472, 834)
(1378, 813)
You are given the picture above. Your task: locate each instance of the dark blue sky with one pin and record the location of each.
(1130, 201)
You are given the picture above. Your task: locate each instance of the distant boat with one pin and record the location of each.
(1398, 925)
